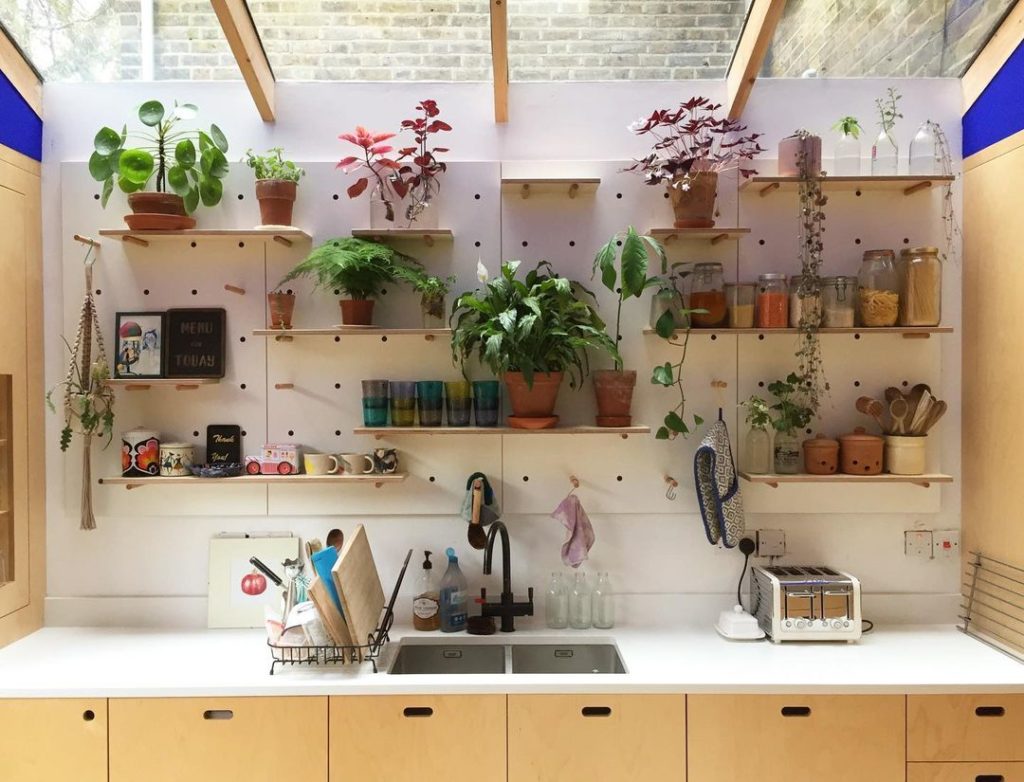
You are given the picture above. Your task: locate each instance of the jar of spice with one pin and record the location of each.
(772, 301)
(740, 298)
(838, 297)
(804, 301)
(920, 276)
(707, 292)
(879, 289)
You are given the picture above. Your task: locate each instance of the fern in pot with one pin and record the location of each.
(530, 332)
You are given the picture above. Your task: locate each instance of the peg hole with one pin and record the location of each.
(98, 292)
(195, 432)
(525, 243)
(476, 197)
(418, 711)
(572, 243)
(337, 433)
(240, 197)
(95, 196)
(526, 479)
(337, 339)
(241, 339)
(990, 711)
(291, 432)
(431, 479)
(857, 240)
(760, 242)
(618, 478)
(244, 433)
(145, 291)
(714, 337)
(195, 292)
(337, 385)
(618, 195)
(88, 715)
(856, 384)
(334, 197)
(218, 714)
(242, 386)
(384, 338)
(192, 244)
(241, 244)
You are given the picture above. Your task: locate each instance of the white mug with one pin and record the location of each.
(321, 464)
(357, 463)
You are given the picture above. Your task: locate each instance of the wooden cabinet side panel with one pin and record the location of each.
(949, 728)
(44, 739)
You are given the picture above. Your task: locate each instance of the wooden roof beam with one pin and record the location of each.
(751, 48)
(20, 72)
(993, 55)
(499, 58)
(245, 43)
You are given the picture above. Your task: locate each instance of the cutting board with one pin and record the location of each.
(355, 576)
(333, 621)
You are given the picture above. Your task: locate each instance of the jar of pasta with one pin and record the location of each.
(772, 301)
(804, 301)
(838, 298)
(920, 275)
(707, 292)
(878, 294)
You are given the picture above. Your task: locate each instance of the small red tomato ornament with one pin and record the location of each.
(254, 584)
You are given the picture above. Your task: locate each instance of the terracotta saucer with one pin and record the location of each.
(544, 422)
(614, 420)
(158, 222)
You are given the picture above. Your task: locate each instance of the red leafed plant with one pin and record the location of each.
(371, 161)
(691, 140)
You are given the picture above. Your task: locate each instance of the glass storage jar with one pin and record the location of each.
(772, 301)
(920, 276)
(707, 292)
(740, 298)
(804, 300)
(838, 298)
(878, 294)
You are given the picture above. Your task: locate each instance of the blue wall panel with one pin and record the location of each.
(999, 110)
(20, 128)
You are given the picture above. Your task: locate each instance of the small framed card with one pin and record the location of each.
(139, 344)
(223, 444)
(196, 343)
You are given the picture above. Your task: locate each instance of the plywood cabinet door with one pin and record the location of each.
(42, 739)
(965, 772)
(965, 727)
(586, 738)
(246, 739)
(430, 738)
(842, 738)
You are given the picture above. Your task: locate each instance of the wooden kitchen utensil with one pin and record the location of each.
(333, 621)
(938, 410)
(476, 535)
(898, 409)
(362, 596)
(873, 408)
(917, 401)
(892, 394)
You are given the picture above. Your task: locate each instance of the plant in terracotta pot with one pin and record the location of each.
(277, 182)
(614, 387)
(282, 307)
(355, 267)
(691, 148)
(432, 290)
(165, 169)
(531, 332)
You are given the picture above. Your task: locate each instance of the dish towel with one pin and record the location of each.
(718, 487)
(581, 532)
(490, 503)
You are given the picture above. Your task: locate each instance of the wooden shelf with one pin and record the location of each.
(774, 480)
(425, 235)
(287, 335)
(909, 184)
(191, 480)
(177, 383)
(398, 431)
(907, 332)
(568, 186)
(713, 235)
(285, 236)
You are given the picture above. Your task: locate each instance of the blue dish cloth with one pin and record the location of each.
(323, 563)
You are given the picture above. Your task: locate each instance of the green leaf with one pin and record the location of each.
(185, 111)
(605, 261)
(698, 420)
(185, 153)
(213, 163)
(205, 142)
(675, 423)
(219, 139)
(662, 434)
(634, 265)
(507, 319)
(178, 180)
(106, 141)
(127, 186)
(151, 113)
(100, 167)
(136, 165)
(665, 326)
(108, 188)
(663, 375)
(191, 200)
(210, 190)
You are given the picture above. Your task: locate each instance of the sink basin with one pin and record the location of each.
(566, 658)
(454, 658)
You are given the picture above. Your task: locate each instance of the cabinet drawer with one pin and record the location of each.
(430, 738)
(841, 738)
(965, 772)
(62, 739)
(582, 738)
(965, 727)
(252, 739)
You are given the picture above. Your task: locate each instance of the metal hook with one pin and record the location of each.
(673, 484)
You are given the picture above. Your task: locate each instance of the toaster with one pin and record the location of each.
(805, 603)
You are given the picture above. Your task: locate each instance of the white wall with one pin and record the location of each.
(656, 547)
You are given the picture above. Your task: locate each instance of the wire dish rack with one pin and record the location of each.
(993, 604)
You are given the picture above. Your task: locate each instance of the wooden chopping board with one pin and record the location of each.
(355, 576)
(333, 621)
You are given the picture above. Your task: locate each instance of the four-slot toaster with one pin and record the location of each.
(805, 603)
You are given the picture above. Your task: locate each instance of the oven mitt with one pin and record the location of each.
(489, 510)
(718, 488)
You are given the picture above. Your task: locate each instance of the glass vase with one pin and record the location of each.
(758, 456)
(847, 156)
(787, 453)
(665, 300)
(885, 155)
(418, 210)
(924, 151)
(432, 312)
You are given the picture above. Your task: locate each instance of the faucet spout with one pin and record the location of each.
(499, 528)
(507, 607)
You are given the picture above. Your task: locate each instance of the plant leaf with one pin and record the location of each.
(100, 167)
(136, 166)
(698, 420)
(662, 433)
(663, 375)
(675, 423)
(108, 188)
(191, 199)
(213, 163)
(665, 326)
(178, 180)
(210, 190)
(634, 264)
(185, 153)
(106, 141)
(151, 113)
(186, 111)
(605, 261)
(356, 188)
(219, 139)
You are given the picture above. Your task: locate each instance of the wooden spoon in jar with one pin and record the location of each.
(873, 408)
(898, 409)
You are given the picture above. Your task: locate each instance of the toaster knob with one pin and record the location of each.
(846, 624)
(801, 623)
(838, 625)
(789, 623)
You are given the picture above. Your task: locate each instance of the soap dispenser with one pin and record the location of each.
(426, 605)
(454, 596)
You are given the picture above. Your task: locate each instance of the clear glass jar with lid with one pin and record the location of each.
(772, 301)
(707, 292)
(839, 302)
(804, 301)
(920, 276)
(878, 295)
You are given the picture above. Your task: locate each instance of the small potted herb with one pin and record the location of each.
(355, 267)
(847, 156)
(276, 185)
(282, 307)
(758, 457)
(792, 415)
(183, 167)
(432, 290)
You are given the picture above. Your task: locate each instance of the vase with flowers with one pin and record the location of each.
(692, 147)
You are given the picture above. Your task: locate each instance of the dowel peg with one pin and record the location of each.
(917, 186)
(574, 188)
(283, 240)
(574, 481)
(524, 191)
(719, 238)
(768, 188)
(186, 386)
(86, 240)
(134, 240)
(428, 240)
(235, 289)
(284, 386)
(428, 337)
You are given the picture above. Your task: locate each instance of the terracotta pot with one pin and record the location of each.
(157, 203)
(821, 455)
(282, 305)
(536, 402)
(357, 312)
(695, 208)
(861, 453)
(276, 197)
(614, 391)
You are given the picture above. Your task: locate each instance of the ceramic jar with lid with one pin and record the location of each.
(920, 277)
(838, 300)
(707, 292)
(878, 295)
(140, 453)
(861, 453)
(821, 455)
(772, 301)
(176, 459)
(905, 455)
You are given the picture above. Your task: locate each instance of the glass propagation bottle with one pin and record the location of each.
(878, 295)
(556, 604)
(580, 603)
(758, 451)
(603, 603)
(707, 292)
(924, 150)
(885, 155)
(847, 156)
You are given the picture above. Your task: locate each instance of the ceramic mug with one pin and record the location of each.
(176, 459)
(321, 464)
(385, 461)
(357, 463)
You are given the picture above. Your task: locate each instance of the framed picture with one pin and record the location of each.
(139, 344)
(238, 591)
(195, 343)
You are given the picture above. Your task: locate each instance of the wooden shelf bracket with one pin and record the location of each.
(925, 185)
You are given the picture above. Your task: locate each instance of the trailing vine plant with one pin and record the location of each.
(951, 228)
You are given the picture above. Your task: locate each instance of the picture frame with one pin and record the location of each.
(237, 592)
(139, 344)
(196, 342)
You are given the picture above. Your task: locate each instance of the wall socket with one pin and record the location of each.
(918, 543)
(771, 543)
(946, 544)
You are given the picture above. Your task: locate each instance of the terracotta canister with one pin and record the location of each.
(176, 459)
(140, 453)
(821, 455)
(861, 453)
(905, 455)
(789, 155)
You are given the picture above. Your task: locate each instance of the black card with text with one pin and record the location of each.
(195, 343)
(223, 444)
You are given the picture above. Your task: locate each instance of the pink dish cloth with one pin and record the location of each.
(581, 532)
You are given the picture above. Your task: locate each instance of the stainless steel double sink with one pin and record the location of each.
(434, 658)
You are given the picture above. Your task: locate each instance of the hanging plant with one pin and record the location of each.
(951, 228)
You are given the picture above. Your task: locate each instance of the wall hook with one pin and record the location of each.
(673, 484)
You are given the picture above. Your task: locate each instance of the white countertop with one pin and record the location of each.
(106, 662)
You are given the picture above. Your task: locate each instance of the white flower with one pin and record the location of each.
(634, 127)
(481, 272)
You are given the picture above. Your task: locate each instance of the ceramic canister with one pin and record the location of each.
(861, 453)
(821, 455)
(140, 453)
(905, 455)
(176, 459)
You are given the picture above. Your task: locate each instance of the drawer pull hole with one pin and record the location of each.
(596, 711)
(418, 711)
(796, 711)
(451, 654)
(88, 715)
(990, 711)
(564, 654)
(218, 714)
(990, 778)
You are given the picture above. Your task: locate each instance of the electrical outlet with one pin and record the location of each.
(918, 543)
(771, 543)
(946, 544)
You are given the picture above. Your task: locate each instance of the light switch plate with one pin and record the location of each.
(918, 543)
(771, 543)
(946, 544)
